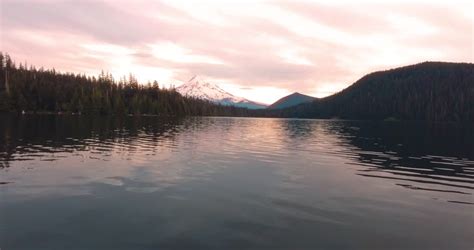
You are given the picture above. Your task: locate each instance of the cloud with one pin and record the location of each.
(258, 49)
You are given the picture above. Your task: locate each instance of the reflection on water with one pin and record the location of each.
(438, 154)
(145, 182)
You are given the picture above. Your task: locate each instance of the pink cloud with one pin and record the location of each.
(290, 46)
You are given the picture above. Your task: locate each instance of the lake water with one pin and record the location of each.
(73, 182)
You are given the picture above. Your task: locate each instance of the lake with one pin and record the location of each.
(77, 182)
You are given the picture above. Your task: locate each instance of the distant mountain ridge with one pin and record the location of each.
(291, 100)
(201, 89)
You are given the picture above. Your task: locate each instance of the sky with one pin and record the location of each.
(261, 50)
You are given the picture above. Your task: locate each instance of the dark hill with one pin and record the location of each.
(291, 100)
(435, 91)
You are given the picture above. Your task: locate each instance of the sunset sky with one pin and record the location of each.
(259, 50)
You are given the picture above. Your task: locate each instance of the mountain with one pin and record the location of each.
(291, 100)
(433, 91)
(198, 88)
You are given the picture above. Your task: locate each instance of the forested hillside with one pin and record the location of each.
(434, 91)
(29, 89)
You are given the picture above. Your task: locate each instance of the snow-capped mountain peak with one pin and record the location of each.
(199, 88)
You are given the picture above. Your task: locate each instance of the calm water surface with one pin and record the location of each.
(145, 183)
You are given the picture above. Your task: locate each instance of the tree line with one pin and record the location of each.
(432, 91)
(28, 89)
